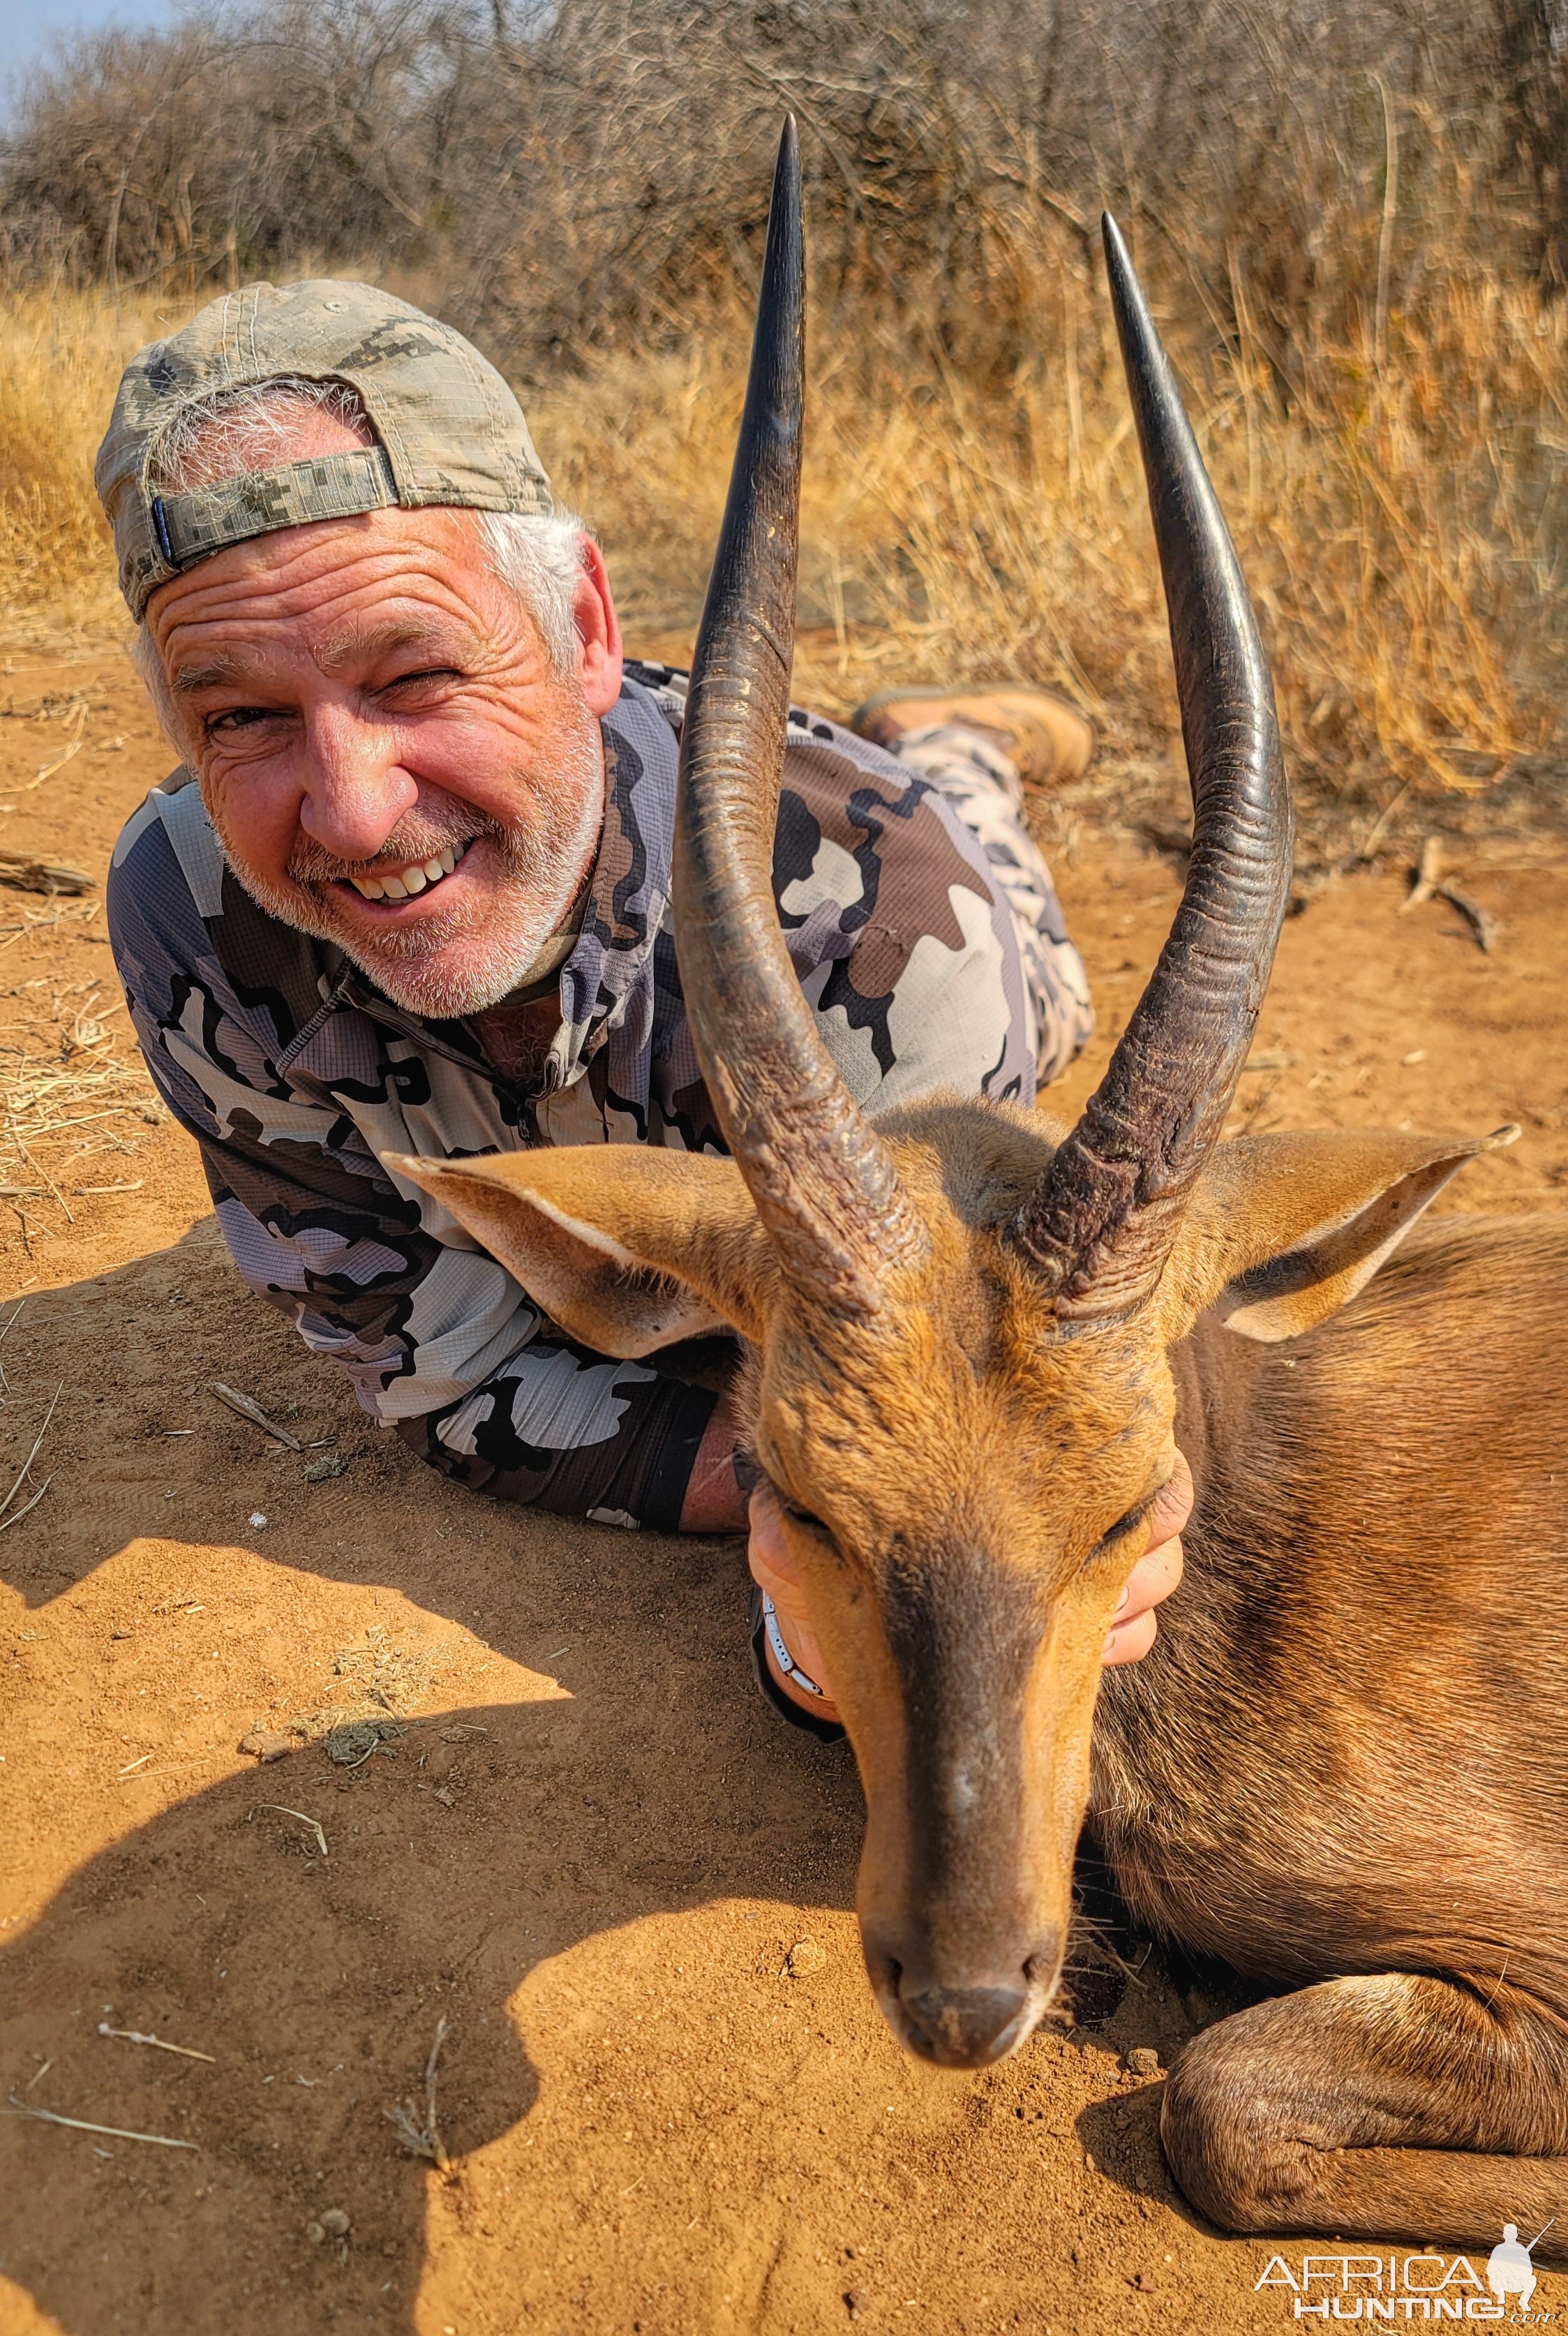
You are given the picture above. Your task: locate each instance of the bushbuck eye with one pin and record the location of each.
(1135, 1517)
(801, 1516)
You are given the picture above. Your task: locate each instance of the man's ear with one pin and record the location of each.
(1284, 1229)
(625, 1249)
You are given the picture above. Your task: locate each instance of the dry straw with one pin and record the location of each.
(71, 1086)
(1397, 505)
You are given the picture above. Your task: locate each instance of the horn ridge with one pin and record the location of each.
(1100, 1223)
(823, 1182)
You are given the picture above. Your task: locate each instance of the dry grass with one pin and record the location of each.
(1398, 511)
(1398, 521)
(64, 354)
(73, 1087)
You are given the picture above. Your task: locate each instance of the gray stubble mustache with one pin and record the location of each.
(312, 867)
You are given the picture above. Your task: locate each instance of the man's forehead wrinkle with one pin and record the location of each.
(278, 577)
(237, 634)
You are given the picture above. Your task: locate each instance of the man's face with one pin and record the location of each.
(372, 713)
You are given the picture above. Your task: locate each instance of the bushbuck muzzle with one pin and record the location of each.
(972, 1342)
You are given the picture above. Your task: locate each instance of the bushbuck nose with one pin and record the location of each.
(966, 2026)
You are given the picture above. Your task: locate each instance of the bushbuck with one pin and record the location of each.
(972, 1344)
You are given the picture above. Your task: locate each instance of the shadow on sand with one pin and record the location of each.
(477, 1845)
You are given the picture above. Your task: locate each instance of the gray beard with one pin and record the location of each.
(542, 865)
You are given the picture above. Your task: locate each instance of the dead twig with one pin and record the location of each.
(42, 875)
(32, 1455)
(40, 1170)
(1431, 884)
(28, 1506)
(1428, 876)
(1378, 828)
(423, 2140)
(132, 2036)
(49, 769)
(1483, 924)
(313, 1823)
(248, 1408)
(81, 2125)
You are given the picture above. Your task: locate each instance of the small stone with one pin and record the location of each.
(315, 2232)
(1143, 2060)
(804, 1958)
(854, 2302)
(334, 2222)
(1144, 2282)
(258, 1518)
(266, 1744)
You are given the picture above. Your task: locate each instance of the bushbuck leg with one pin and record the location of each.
(1376, 2107)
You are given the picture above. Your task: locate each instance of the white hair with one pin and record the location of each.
(537, 556)
(231, 431)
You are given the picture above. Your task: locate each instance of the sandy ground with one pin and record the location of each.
(588, 1849)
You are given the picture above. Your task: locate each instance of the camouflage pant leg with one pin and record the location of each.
(983, 787)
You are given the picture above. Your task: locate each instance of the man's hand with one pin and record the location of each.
(1156, 1573)
(772, 1573)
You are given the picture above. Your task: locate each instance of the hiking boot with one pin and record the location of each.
(1047, 738)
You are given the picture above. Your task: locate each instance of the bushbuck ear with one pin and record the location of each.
(625, 1249)
(1284, 1229)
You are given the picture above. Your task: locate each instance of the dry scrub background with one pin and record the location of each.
(1397, 520)
(1350, 220)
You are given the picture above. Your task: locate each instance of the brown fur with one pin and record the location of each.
(1343, 1762)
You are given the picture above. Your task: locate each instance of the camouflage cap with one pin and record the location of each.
(449, 429)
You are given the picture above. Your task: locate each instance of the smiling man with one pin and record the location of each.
(409, 891)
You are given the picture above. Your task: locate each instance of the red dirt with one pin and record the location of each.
(591, 1849)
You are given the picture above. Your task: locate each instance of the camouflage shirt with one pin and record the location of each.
(294, 1073)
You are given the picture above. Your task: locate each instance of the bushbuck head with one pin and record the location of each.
(957, 1322)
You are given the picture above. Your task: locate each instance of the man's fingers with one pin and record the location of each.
(1173, 1505)
(1152, 1578)
(1151, 1581)
(768, 1559)
(765, 1545)
(1156, 1573)
(1129, 1642)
